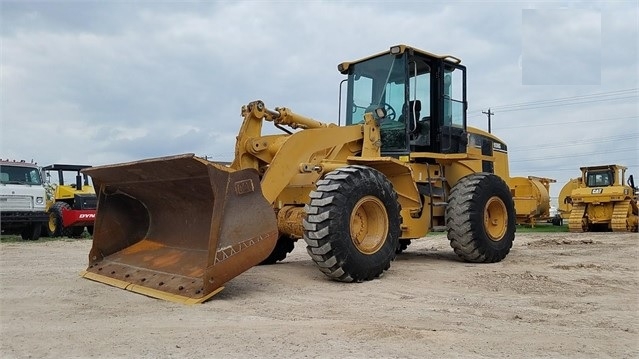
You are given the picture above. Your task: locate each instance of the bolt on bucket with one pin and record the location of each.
(177, 228)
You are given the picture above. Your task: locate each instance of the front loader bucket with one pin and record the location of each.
(177, 228)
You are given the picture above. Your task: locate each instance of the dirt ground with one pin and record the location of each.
(557, 295)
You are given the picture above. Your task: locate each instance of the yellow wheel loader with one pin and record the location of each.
(602, 200)
(403, 164)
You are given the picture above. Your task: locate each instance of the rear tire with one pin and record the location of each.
(557, 221)
(403, 245)
(31, 232)
(284, 246)
(75, 232)
(480, 217)
(352, 224)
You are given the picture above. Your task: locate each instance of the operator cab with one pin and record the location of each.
(603, 176)
(422, 94)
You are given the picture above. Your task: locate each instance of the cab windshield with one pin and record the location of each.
(20, 175)
(599, 179)
(379, 83)
(375, 83)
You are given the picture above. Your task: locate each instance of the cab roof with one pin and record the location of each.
(399, 49)
(64, 167)
(603, 167)
(21, 163)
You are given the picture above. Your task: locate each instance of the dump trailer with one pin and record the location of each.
(603, 201)
(532, 198)
(399, 167)
(71, 200)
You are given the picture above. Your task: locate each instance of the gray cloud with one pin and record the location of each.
(561, 47)
(106, 82)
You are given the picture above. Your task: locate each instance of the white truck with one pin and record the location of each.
(22, 199)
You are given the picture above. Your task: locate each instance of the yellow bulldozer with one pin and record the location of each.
(600, 200)
(403, 164)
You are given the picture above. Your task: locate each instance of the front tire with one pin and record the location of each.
(352, 224)
(480, 217)
(54, 226)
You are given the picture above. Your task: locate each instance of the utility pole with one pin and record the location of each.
(489, 113)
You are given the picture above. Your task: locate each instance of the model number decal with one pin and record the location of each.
(244, 186)
(596, 190)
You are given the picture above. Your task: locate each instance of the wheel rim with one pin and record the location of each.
(495, 218)
(369, 225)
(52, 222)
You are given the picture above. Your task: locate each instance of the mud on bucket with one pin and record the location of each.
(177, 228)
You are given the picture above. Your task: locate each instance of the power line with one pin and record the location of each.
(567, 104)
(579, 142)
(573, 169)
(578, 155)
(562, 104)
(568, 122)
(571, 100)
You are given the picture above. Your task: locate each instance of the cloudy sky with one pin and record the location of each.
(90, 82)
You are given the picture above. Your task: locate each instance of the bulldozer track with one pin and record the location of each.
(620, 213)
(576, 218)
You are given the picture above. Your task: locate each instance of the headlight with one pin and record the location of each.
(39, 200)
